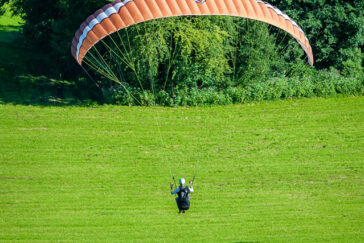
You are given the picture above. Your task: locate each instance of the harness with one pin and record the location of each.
(183, 198)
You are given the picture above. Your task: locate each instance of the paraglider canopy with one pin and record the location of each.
(123, 13)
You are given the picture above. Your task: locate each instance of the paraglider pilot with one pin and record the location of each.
(183, 192)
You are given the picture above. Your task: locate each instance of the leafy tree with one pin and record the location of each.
(49, 26)
(334, 27)
(184, 52)
(190, 53)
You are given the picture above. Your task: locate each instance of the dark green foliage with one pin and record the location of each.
(335, 28)
(49, 26)
(353, 66)
(256, 54)
(194, 60)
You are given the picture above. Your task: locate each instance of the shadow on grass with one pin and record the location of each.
(19, 87)
(14, 96)
(24, 89)
(9, 33)
(41, 91)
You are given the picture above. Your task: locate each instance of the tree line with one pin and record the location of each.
(197, 60)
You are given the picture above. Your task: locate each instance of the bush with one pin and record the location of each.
(272, 89)
(164, 99)
(237, 95)
(322, 84)
(330, 83)
(299, 87)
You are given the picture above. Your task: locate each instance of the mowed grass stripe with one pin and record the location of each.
(285, 171)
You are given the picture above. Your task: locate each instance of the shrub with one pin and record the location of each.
(324, 86)
(329, 83)
(164, 99)
(237, 95)
(299, 87)
(319, 84)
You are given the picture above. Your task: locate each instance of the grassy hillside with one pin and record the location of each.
(286, 171)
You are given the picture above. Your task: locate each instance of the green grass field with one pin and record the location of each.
(285, 171)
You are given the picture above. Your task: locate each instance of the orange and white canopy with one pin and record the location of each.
(123, 13)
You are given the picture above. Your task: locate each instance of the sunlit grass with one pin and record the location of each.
(285, 171)
(8, 20)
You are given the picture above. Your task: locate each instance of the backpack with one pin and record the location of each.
(184, 198)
